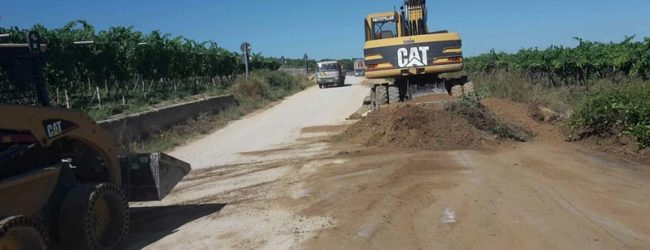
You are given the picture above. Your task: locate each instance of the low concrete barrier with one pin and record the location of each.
(294, 71)
(141, 125)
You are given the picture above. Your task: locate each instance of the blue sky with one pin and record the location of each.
(334, 28)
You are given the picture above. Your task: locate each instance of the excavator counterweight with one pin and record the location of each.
(399, 45)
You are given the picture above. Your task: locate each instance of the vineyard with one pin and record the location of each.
(560, 65)
(106, 72)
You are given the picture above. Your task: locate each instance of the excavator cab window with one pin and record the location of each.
(384, 27)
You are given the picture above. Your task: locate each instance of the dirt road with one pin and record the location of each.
(545, 194)
(276, 126)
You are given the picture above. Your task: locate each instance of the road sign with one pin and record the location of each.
(246, 47)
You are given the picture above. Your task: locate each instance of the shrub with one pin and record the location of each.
(614, 112)
(253, 87)
(267, 85)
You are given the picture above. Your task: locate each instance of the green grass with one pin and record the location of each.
(514, 86)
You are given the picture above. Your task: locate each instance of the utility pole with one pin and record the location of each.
(306, 64)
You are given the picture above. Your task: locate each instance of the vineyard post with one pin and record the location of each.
(58, 100)
(108, 92)
(67, 99)
(99, 97)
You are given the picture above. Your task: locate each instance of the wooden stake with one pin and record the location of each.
(58, 100)
(99, 97)
(108, 92)
(67, 99)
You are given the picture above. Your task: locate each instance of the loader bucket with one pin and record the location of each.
(151, 176)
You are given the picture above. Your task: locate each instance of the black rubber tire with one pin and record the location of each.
(78, 217)
(28, 233)
(402, 87)
(320, 86)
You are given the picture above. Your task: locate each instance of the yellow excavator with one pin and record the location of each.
(64, 183)
(399, 45)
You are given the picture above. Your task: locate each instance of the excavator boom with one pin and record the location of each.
(416, 17)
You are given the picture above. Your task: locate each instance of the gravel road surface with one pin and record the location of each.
(277, 126)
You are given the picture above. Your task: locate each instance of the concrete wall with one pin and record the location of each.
(293, 71)
(141, 125)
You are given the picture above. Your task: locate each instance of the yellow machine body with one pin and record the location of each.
(400, 45)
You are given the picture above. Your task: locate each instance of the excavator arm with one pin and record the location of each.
(415, 16)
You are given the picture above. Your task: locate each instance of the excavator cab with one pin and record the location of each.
(383, 26)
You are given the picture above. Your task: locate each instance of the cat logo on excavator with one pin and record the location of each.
(412, 57)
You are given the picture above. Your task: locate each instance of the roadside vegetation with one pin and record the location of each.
(602, 89)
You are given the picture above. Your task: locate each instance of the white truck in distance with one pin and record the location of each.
(359, 67)
(329, 73)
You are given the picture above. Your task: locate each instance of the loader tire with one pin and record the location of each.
(22, 232)
(94, 216)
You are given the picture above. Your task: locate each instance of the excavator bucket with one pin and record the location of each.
(151, 176)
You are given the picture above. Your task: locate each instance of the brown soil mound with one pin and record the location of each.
(434, 98)
(519, 114)
(423, 126)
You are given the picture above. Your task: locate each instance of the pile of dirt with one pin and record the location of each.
(422, 126)
(523, 115)
(482, 118)
(528, 117)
